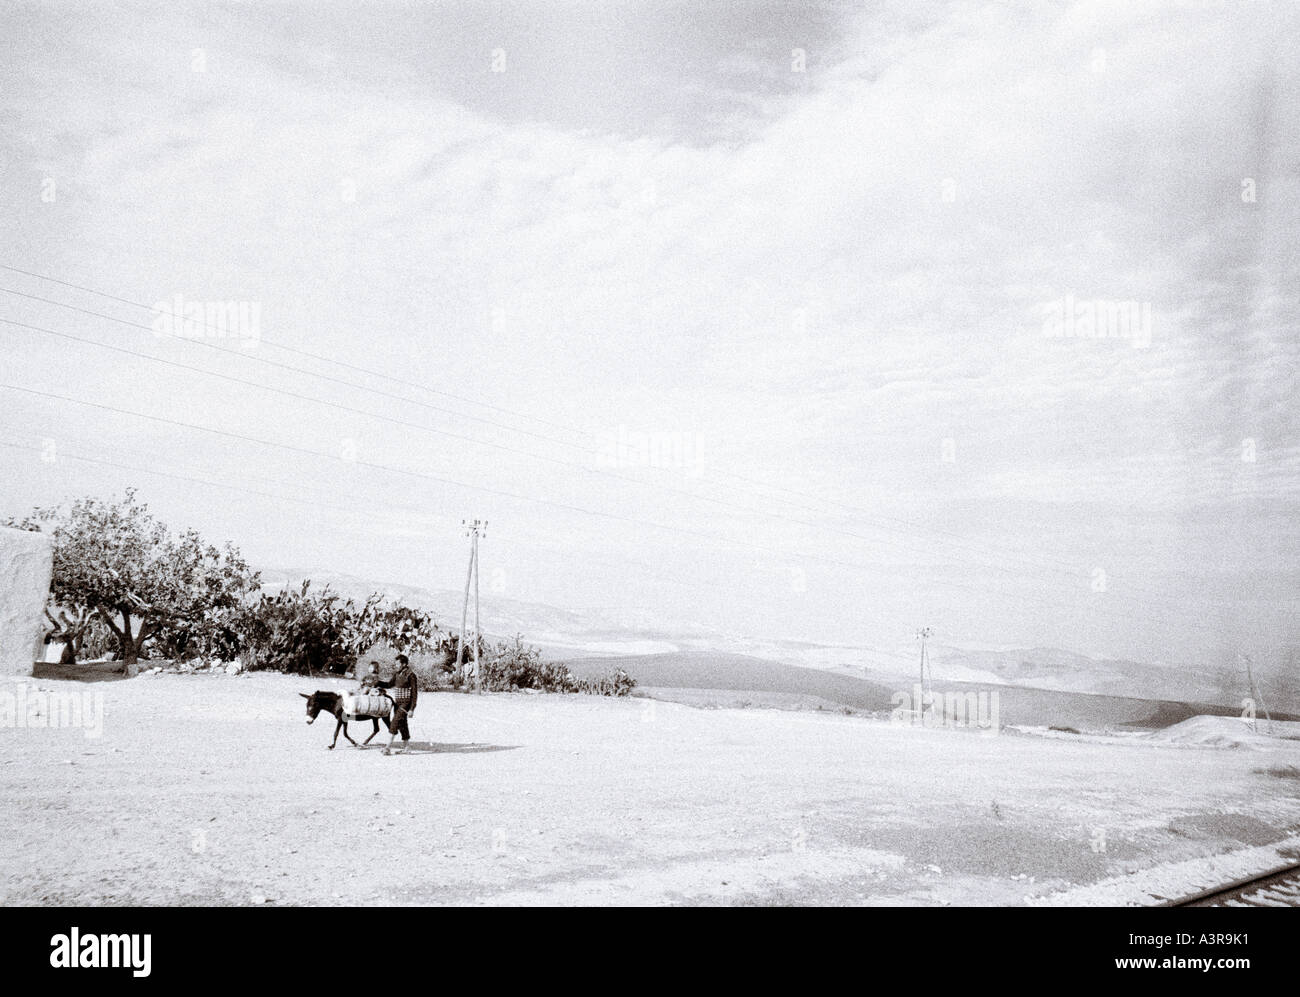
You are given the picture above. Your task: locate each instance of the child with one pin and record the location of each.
(370, 681)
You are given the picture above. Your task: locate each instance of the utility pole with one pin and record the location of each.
(472, 530)
(927, 692)
(478, 633)
(464, 611)
(1254, 694)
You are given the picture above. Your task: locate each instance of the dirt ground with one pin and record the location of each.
(212, 789)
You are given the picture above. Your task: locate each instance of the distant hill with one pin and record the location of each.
(710, 670)
(758, 682)
(679, 649)
(1066, 671)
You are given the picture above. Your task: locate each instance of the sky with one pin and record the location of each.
(825, 321)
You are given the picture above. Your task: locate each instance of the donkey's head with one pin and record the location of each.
(318, 701)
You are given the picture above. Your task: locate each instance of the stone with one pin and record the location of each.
(26, 565)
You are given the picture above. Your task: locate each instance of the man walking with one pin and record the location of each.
(406, 689)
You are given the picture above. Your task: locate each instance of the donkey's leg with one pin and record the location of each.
(375, 721)
(337, 727)
(347, 735)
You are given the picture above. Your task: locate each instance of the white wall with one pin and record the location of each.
(26, 561)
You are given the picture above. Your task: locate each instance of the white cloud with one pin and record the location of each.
(806, 296)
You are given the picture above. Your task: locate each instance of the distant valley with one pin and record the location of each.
(635, 637)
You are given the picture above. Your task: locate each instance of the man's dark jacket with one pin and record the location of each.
(406, 688)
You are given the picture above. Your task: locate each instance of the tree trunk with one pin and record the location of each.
(116, 631)
(145, 632)
(130, 649)
(128, 640)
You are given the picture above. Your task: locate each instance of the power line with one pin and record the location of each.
(320, 401)
(963, 543)
(307, 451)
(313, 356)
(281, 366)
(294, 495)
(472, 440)
(533, 499)
(546, 458)
(958, 541)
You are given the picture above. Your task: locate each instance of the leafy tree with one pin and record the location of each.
(119, 561)
(298, 630)
(294, 631)
(403, 628)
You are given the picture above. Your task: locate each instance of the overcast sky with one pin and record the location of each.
(823, 251)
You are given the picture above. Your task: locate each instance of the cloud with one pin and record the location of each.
(827, 277)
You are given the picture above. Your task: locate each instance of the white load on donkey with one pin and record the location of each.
(366, 706)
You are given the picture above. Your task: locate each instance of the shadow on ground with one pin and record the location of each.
(436, 748)
(105, 672)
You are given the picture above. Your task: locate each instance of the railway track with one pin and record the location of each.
(1276, 888)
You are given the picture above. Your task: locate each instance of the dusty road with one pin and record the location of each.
(213, 790)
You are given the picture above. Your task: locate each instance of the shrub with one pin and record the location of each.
(512, 664)
(620, 683)
(304, 631)
(436, 669)
(295, 631)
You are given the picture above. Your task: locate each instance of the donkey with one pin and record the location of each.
(332, 702)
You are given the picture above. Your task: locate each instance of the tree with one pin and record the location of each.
(403, 628)
(69, 629)
(298, 630)
(293, 631)
(118, 560)
(204, 600)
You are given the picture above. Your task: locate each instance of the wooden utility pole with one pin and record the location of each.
(464, 612)
(473, 530)
(478, 634)
(927, 692)
(1256, 699)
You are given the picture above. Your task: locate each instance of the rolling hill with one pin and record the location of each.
(685, 655)
(739, 680)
